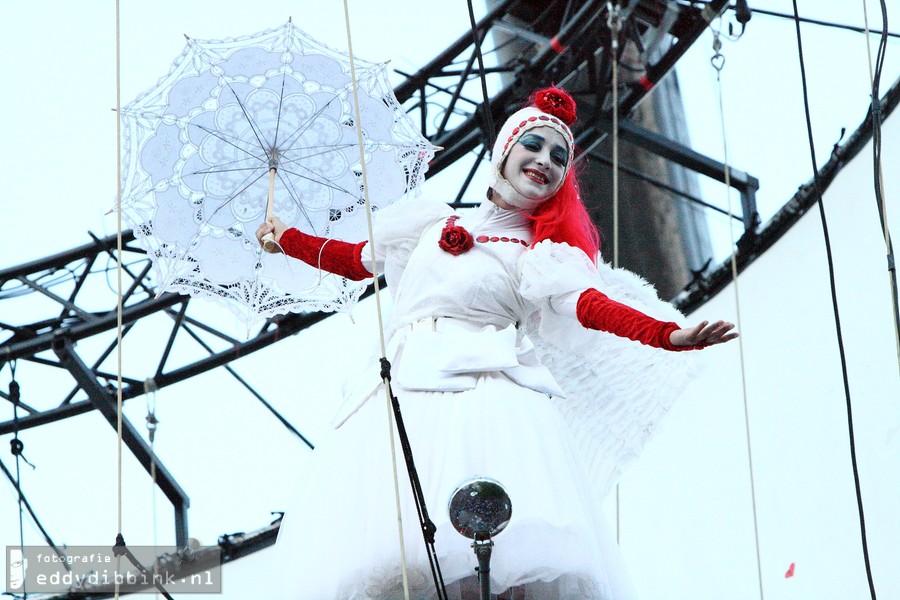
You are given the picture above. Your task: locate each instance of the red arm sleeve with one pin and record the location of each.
(334, 256)
(596, 310)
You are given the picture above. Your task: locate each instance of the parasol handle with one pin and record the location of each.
(268, 240)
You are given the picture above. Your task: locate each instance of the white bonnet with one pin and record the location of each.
(554, 108)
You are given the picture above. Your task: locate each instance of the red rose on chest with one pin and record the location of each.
(455, 239)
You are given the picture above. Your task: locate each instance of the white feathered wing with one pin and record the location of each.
(617, 391)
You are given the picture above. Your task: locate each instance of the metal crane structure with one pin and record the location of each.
(566, 42)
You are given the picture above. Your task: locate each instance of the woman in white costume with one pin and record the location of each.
(489, 305)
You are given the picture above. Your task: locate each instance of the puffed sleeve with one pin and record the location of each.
(396, 231)
(571, 286)
(550, 273)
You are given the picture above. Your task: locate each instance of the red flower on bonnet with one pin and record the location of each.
(556, 102)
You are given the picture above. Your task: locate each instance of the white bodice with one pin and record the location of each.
(480, 285)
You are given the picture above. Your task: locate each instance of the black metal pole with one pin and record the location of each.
(483, 553)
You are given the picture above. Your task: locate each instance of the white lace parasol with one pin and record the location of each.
(238, 119)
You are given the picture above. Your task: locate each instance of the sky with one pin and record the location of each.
(59, 157)
(65, 129)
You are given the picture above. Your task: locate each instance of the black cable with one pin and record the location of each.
(855, 28)
(486, 106)
(16, 448)
(877, 166)
(837, 319)
(37, 522)
(427, 525)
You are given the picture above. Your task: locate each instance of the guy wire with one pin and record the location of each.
(718, 65)
(374, 270)
(118, 287)
(615, 25)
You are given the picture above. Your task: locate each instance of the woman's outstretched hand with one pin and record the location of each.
(276, 227)
(704, 334)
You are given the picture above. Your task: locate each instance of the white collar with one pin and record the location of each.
(489, 214)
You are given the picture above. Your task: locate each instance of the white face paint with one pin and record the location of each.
(535, 167)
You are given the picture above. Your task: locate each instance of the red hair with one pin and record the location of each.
(563, 218)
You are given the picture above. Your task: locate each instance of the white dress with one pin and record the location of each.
(476, 401)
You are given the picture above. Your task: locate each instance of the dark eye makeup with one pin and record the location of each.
(535, 142)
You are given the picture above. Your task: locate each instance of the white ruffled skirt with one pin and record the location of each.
(339, 537)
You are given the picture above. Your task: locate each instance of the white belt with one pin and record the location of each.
(426, 324)
(444, 354)
(447, 354)
(443, 324)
